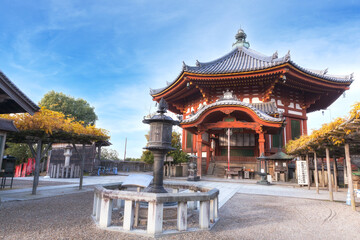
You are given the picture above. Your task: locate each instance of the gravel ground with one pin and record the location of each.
(17, 183)
(242, 217)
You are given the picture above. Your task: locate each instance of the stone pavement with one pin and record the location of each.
(227, 187)
(50, 191)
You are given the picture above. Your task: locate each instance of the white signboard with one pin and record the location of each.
(169, 159)
(302, 173)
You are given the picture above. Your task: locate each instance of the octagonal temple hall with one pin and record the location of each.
(251, 95)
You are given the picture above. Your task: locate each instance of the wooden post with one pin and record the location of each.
(349, 173)
(228, 150)
(82, 166)
(199, 153)
(53, 169)
(316, 174)
(62, 171)
(345, 172)
(335, 175)
(322, 172)
(38, 155)
(72, 170)
(58, 170)
(48, 163)
(82, 157)
(208, 153)
(308, 169)
(37, 166)
(261, 142)
(329, 174)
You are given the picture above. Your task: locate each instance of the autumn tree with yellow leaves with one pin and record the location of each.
(333, 133)
(47, 127)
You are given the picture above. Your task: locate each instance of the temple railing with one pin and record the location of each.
(107, 199)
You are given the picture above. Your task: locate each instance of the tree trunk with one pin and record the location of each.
(82, 166)
(308, 170)
(37, 166)
(329, 174)
(349, 173)
(316, 174)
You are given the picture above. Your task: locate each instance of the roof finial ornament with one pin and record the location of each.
(275, 55)
(184, 66)
(325, 71)
(198, 63)
(287, 56)
(241, 39)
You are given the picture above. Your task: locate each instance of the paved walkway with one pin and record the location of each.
(227, 188)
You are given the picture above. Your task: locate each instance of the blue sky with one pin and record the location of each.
(111, 52)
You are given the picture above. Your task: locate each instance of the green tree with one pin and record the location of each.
(147, 157)
(178, 155)
(109, 154)
(20, 151)
(71, 107)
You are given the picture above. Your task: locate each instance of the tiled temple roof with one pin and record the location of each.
(242, 59)
(266, 107)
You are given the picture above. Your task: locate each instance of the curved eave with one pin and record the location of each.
(332, 82)
(21, 102)
(263, 117)
(321, 78)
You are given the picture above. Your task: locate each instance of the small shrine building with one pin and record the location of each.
(249, 95)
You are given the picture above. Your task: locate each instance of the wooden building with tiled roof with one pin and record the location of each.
(251, 94)
(12, 100)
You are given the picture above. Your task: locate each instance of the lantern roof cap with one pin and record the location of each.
(280, 155)
(161, 117)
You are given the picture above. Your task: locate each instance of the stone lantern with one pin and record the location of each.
(67, 154)
(192, 169)
(262, 167)
(159, 143)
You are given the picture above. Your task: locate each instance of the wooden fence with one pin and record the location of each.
(59, 171)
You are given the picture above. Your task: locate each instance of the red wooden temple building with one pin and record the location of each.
(252, 95)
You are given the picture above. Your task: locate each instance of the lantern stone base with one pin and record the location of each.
(193, 178)
(263, 180)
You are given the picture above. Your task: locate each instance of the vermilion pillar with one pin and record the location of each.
(199, 153)
(261, 143)
(184, 140)
(208, 156)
